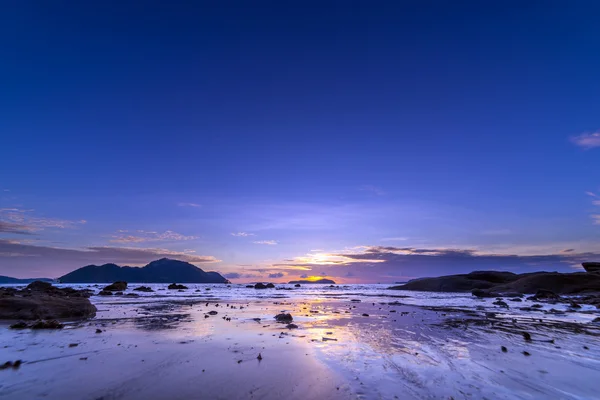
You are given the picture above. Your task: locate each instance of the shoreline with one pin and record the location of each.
(399, 350)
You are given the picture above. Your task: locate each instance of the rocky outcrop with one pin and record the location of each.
(174, 286)
(495, 284)
(593, 267)
(41, 300)
(284, 318)
(116, 287)
(144, 289)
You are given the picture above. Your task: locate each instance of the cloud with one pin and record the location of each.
(591, 194)
(596, 219)
(587, 140)
(372, 189)
(389, 263)
(9, 227)
(267, 242)
(232, 275)
(242, 234)
(277, 275)
(22, 221)
(149, 236)
(189, 205)
(394, 239)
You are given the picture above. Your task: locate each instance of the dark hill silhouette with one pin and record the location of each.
(164, 270)
(8, 279)
(327, 281)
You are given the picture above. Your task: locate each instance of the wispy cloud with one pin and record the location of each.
(142, 236)
(268, 242)
(394, 239)
(22, 221)
(596, 219)
(242, 234)
(277, 275)
(587, 140)
(372, 189)
(189, 205)
(591, 194)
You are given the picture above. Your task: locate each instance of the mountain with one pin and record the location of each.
(8, 279)
(327, 281)
(164, 270)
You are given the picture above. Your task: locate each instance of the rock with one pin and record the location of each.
(500, 303)
(259, 358)
(105, 293)
(40, 286)
(516, 300)
(213, 312)
(365, 315)
(504, 349)
(526, 336)
(260, 286)
(51, 324)
(483, 293)
(592, 267)
(546, 295)
(132, 295)
(537, 306)
(174, 286)
(116, 287)
(144, 289)
(40, 301)
(526, 353)
(292, 326)
(10, 364)
(119, 294)
(284, 318)
(297, 285)
(19, 325)
(73, 344)
(270, 286)
(250, 286)
(98, 330)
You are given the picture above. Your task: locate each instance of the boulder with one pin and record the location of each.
(297, 285)
(40, 286)
(270, 286)
(45, 302)
(260, 286)
(144, 289)
(174, 286)
(284, 318)
(118, 286)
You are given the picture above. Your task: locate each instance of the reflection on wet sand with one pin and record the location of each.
(336, 348)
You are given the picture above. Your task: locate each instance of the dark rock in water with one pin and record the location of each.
(365, 315)
(483, 293)
(260, 286)
(98, 330)
(174, 286)
(516, 299)
(537, 306)
(213, 312)
(118, 286)
(10, 364)
(500, 303)
(19, 325)
(526, 336)
(105, 293)
(132, 295)
(297, 285)
(284, 318)
(259, 357)
(526, 353)
(250, 286)
(144, 289)
(42, 301)
(593, 267)
(160, 271)
(292, 326)
(39, 285)
(119, 293)
(52, 324)
(270, 286)
(546, 295)
(504, 349)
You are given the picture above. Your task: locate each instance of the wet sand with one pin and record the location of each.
(342, 349)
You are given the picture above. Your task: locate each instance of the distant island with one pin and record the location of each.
(164, 270)
(8, 279)
(328, 281)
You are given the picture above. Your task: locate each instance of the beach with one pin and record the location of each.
(351, 342)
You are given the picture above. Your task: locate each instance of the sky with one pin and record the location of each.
(271, 141)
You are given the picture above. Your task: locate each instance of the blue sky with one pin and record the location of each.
(365, 142)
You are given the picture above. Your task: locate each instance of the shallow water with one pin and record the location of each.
(161, 346)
